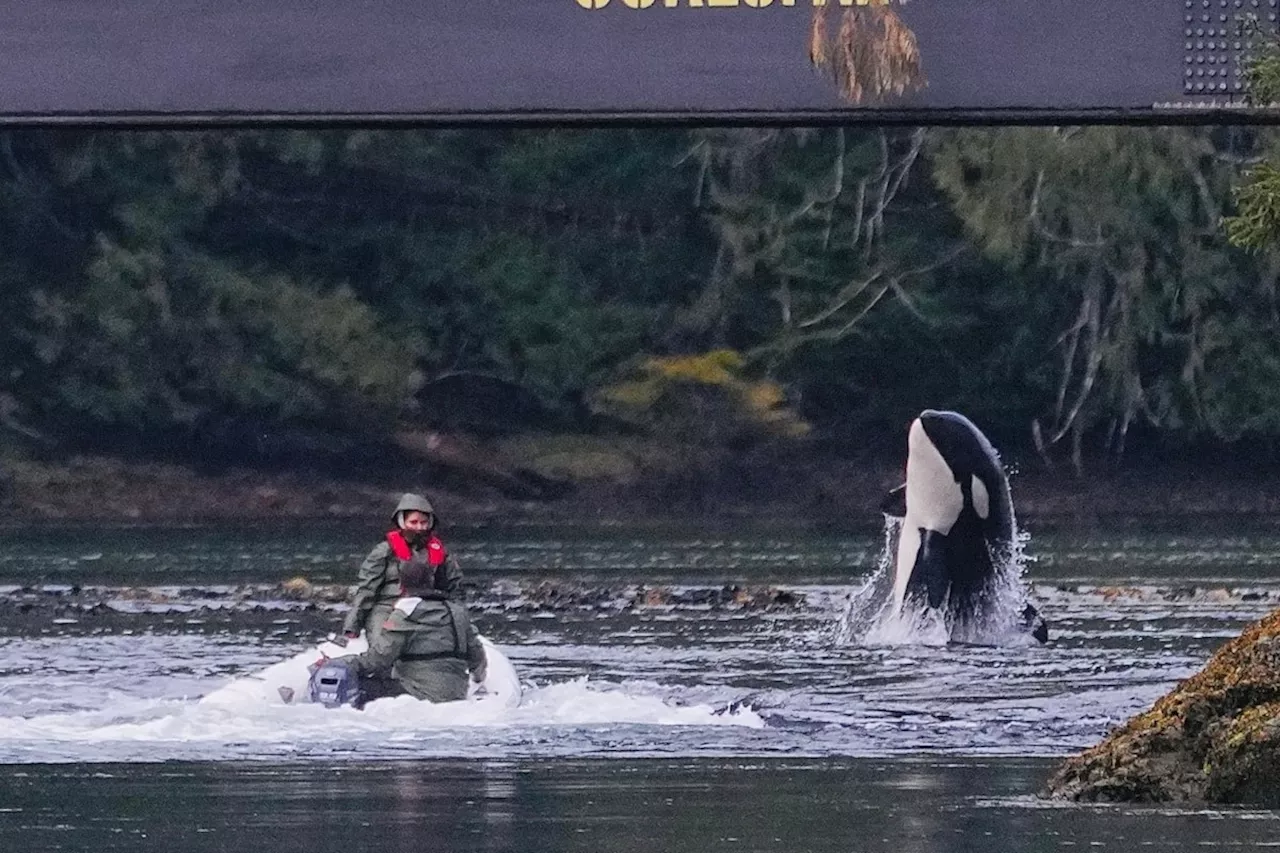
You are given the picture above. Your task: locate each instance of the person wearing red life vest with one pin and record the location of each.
(413, 542)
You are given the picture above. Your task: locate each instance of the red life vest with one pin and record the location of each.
(436, 553)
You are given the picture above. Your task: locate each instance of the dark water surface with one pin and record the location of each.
(661, 712)
(908, 805)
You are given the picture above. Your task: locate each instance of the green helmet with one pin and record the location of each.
(410, 502)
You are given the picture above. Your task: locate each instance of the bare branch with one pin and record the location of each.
(846, 295)
(1037, 223)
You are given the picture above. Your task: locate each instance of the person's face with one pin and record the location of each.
(416, 522)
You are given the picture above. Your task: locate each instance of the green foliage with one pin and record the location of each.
(806, 221)
(1075, 278)
(533, 257)
(1257, 225)
(533, 317)
(1262, 73)
(138, 327)
(702, 398)
(156, 340)
(1113, 235)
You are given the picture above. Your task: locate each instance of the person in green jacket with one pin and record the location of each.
(412, 542)
(426, 647)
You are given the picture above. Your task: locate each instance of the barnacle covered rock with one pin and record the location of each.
(1215, 737)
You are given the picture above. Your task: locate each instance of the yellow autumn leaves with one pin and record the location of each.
(667, 388)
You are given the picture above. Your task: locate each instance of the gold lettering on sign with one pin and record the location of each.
(593, 4)
(637, 4)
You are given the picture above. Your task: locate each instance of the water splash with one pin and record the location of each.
(870, 602)
(1004, 622)
(870, 618)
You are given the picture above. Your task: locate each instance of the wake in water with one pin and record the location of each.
(155, 724)
(288, 679)
(248, 717)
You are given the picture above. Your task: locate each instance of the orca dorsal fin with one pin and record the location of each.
(894, 504)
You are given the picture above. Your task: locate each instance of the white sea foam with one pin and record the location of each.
(248, 715)
(156, 722)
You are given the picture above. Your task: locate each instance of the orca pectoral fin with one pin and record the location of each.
(894, 504)
(930, 580)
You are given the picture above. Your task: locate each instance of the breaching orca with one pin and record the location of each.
(958, 533)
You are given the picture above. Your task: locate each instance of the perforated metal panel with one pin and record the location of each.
(1219, 35)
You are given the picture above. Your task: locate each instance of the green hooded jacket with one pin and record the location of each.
(378, 581)
(429, 646)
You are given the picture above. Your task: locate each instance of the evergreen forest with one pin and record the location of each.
(1073, 290)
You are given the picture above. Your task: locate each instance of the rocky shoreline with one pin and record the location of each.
(300, 607)
(1214, 738)
(795, 490)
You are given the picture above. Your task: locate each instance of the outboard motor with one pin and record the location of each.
(333, 683)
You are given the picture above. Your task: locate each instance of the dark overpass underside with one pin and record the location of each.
(389, 63)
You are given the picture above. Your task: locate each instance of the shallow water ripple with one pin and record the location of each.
(644, 681)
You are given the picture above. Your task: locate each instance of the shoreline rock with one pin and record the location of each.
(312, 609)
(804, 489)
(609, 482)
(1215, 738)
